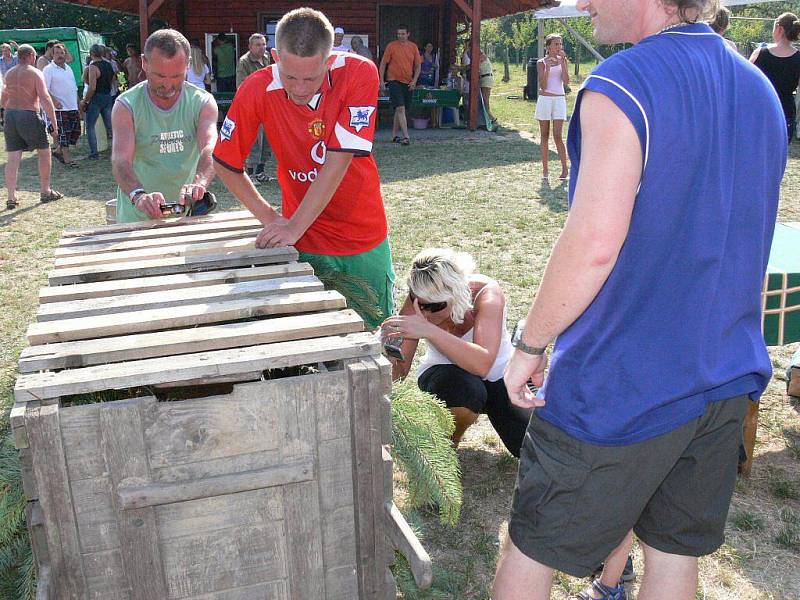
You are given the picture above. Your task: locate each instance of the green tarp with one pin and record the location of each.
(76, 40)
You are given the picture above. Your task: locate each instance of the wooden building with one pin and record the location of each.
(436, 21)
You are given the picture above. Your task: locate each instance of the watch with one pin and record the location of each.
(516, 341)
(135, 193)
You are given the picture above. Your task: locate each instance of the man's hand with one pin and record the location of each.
(57, 104)
(412, 85)
(382, 86)
(54, 130)
(521, 368)
(191, 193)
(276, 234)
(150, 204)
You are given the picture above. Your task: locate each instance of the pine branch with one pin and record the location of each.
(421, 430)
(357, 290)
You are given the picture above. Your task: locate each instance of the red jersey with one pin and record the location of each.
(339, 118)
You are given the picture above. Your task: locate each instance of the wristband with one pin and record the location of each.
(523, 347)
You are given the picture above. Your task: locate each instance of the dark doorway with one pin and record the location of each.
(422, 21)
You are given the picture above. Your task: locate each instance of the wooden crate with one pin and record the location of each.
(246, 456)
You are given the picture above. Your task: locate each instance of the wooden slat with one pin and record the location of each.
(193, 238)
(51, 384)
(370, 576)
(153, 250)
(404, 539)
(177, 298)
(165, 266)
(304, 553)
(122, 441)
(155, 494)
(49, 466)
(158, 223)
(141, 285)
(148, 234)
(189, 316)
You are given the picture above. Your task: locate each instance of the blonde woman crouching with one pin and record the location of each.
(462, 316)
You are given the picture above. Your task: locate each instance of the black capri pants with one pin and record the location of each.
(457, 388)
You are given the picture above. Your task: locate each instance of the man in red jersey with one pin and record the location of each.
(318, 111)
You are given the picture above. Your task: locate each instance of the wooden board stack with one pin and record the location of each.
(247, 456)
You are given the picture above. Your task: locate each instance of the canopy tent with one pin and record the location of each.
(568, 9)
(77, 41)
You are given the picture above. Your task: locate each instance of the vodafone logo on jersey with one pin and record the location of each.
(318, 153)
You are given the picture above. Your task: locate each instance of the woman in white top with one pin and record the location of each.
(198, 73)
(462, 316)
(551, 105)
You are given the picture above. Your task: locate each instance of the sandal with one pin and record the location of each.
(405, 142)
(70, 165)
(59, 157)
(397, 139)
(11, 204)
(50, 196)
(608, 593)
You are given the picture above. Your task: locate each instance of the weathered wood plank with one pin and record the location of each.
(132, 244)
(404, 539)
(60, 525)
(206, 562)
(34, 386)
(339, 538)
(209, 428)
(152, 250)
(34, 519)
(105, 576)
(97, 521)
(138, 285)
(190, 315)
(274, 590)
(84, 353)
(341, 583)
(133, 496)
(222, 512)
(17, 421)
(80, 430)
(335, 474)
(369, 573)
(125, 454)
(302, 531)
(166, 266)
(212, 467)
(155, 224)
(177, 298)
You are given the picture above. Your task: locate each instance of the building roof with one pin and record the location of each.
(489, 8)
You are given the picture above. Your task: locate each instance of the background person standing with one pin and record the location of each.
(400, 66)
(251, 61)
(224, 64)
(63, 89)
(97, 100)
(24, 93)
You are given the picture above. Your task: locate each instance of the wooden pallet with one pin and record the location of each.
(270, 488)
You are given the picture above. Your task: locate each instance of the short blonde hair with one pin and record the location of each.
(304, 32)
(440, 275)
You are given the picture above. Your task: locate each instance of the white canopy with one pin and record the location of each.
(567, 9)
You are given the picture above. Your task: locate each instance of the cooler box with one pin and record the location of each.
(781, 294)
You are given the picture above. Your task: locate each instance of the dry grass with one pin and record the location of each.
(484, 197)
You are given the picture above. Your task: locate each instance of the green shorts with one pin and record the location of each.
(574, 502)
(366, 280)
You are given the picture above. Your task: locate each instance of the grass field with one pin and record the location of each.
(483, 196)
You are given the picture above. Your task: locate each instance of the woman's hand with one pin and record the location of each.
(413, 327)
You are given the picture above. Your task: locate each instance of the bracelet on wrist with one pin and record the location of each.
(135, 194)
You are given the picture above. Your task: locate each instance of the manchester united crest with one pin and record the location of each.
(317, 129)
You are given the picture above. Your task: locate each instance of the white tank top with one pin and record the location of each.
(434, 357)
(555, 85)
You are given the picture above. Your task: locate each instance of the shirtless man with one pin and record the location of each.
(24, 92)
(46, 58)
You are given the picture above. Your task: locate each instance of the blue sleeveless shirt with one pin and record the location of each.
(678, 322)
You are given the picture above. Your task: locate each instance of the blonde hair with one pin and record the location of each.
(197, 61)
(551, 37)
(440, 275)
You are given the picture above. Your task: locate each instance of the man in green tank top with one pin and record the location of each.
(164, 134)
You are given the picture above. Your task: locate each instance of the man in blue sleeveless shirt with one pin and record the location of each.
(652, 294)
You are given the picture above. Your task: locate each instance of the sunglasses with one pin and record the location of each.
(431, 307)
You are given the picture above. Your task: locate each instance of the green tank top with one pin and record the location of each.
(166, 146)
